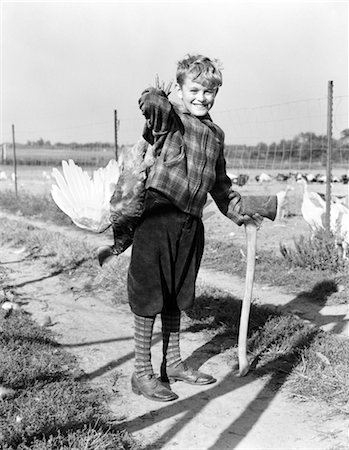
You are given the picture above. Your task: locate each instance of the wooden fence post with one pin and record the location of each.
(329, 157)
(116, 126)
(14, 158)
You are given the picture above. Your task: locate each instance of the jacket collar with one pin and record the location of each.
(180, 108)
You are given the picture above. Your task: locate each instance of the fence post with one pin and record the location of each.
(290, 156)
(274, 158)
(310, 152)
(249, 157)
(329, 157)
(283, 155)
(14, 158)
(3, 154)
(116, 133)
(266, 158)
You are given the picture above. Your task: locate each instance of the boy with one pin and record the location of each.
(168, 243)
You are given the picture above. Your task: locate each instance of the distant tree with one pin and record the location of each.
(262, 145)
(345, 134)
(262, 150)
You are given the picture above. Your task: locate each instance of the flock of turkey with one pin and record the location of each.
(243, 178)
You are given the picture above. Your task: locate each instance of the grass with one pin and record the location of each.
(50, 406)
(29, 205)
(322, 372)
(307, 362)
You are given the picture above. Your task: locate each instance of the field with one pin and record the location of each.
(296, 394)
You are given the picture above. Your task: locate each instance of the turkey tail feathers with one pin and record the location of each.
(83, 198)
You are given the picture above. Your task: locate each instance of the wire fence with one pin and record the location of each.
(287, 155)
(283, 156)
(284, 137)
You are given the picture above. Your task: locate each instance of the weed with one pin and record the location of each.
(281, 336)
(323, 372)
(318, 252)
(29, 354)
(91, 437)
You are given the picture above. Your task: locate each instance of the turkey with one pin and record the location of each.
(113, 196)
(314, 212)
(263, 177)
(283, 203)
(340, 226)
(313, 207)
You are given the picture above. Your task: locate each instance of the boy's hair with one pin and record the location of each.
(202, 69)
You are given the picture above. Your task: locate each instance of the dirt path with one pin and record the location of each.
(234, 413)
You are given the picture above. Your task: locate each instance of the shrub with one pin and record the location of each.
(323, 372)
(319, 252)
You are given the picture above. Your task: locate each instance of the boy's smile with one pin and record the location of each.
(197, 98)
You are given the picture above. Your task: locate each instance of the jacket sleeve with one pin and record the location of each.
(157, 111)
(227, 200)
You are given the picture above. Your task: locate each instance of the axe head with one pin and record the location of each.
(263, 205)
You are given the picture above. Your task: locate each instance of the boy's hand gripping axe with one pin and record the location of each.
(265, 207)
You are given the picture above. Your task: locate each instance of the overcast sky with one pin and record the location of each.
(65, 67)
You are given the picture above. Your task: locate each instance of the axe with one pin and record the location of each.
(265, 206)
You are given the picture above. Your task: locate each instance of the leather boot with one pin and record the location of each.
(152, 388)
(184, 373)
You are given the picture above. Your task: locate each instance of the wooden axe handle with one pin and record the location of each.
(251, 237)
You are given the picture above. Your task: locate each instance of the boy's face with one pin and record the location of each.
(196, 98)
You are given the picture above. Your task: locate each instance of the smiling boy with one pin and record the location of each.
(168, 244)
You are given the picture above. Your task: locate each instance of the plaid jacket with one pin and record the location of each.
(190, 161)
